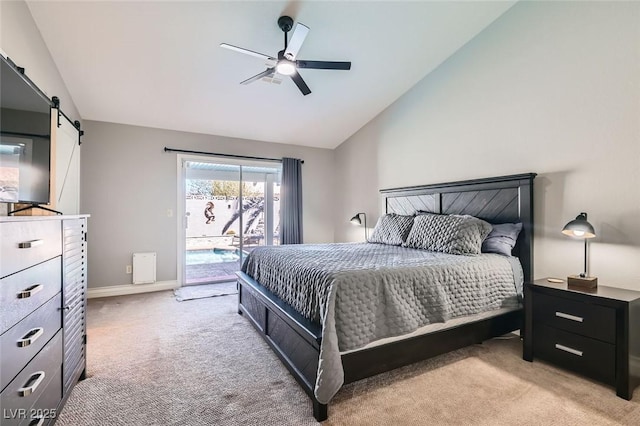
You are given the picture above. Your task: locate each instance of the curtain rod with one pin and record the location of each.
(216, 154)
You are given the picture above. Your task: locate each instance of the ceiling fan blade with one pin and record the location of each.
(324, 65)
(293, 47)
(248, 52)
(297, 79)
(268, 72)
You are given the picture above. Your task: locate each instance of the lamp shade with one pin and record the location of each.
(357, 221)
(579, 227)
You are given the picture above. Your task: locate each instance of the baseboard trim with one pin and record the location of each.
(122, 290)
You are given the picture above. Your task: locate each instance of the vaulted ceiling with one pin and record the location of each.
(159, 64)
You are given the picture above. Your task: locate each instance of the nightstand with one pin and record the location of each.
(594, 332)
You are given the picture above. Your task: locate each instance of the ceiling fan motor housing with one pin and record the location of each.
(285, 23)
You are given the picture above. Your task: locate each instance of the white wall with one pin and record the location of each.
(21, 41)
(550, 87)
(129, 183)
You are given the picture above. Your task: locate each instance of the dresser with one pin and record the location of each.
(594, 332)
(43, 269)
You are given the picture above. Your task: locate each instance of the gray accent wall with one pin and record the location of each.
(549, 87)
(129, 183)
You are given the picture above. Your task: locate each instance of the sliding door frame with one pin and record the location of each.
(181, 218)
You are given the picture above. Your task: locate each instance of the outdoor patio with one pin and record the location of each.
(215, 259)
(210, 272)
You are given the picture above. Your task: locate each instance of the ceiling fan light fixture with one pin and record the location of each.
(285, 67)
(286, 62)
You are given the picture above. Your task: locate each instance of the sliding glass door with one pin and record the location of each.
(229, 210)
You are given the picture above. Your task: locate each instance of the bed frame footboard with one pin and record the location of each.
(295, 339)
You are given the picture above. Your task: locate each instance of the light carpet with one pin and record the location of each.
(201, 291)
(155, 361)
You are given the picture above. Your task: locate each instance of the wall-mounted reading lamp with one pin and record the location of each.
(356, 221)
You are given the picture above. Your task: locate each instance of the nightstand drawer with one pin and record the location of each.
(581, 354)
(595, 321)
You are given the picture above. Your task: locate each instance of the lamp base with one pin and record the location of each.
(582, 282)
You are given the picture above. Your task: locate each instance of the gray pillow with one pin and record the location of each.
(453, 234)
(391, 229)
(502, 238)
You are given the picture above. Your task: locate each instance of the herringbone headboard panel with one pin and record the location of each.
(497, 200)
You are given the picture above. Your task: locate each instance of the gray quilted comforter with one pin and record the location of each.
(362, 292)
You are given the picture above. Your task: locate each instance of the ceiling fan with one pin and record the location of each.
(286, 62)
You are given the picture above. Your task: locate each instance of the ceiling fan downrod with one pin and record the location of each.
(285, 23)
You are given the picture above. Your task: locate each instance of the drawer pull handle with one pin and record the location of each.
(30, 291)
(568, 349)
(31, 385)
(30, 244)
(569, 317)
(30, 337)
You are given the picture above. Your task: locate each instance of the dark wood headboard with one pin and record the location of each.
(503, 199)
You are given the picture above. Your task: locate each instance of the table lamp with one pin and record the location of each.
(356, 221)
(580, 228)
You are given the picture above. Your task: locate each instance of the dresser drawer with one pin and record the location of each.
(42, 412)
(583, 355)
(595, 321)
(25, 339)
(23, 244)
(24, 292)
(45, 410)
(32, 382)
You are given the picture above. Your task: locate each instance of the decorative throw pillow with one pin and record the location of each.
(502, 238)
(391, 229)
(453, 234)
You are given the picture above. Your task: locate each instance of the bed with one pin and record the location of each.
(319, 360)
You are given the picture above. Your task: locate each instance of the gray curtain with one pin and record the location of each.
(291, 202)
